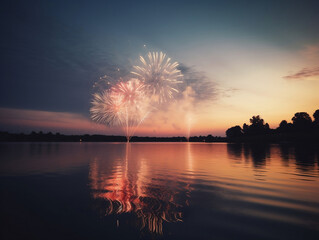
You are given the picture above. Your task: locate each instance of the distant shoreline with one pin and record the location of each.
(57, 137)
(256, 139)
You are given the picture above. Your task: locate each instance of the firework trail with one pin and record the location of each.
(159, 75)
(124, 105)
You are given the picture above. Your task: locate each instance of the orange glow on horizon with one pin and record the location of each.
(157, 125)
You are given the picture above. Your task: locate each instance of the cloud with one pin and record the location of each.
(204, 88)
(177, 118)
(181, 116)
(228, 92)
(311, 52)
(305, 74)
(19, 120)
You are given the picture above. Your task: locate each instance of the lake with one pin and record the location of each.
(158, 191)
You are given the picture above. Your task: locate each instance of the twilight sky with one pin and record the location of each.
(240, 58)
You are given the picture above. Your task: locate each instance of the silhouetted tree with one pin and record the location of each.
(284, 127)
(283, 124)
(316, 122)
(234, 132)
(316, 117)
(257, 126)
(302, 129)
(209, 138)
(256, 121)
(245, 128)
(302, 121)
(266, 127)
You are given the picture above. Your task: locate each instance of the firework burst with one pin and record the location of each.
(131, 92)
(124, 105)
(159, 75)
(107, 108)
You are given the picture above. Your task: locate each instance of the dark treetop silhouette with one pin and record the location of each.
(302, 128)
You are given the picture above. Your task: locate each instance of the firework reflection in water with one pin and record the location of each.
(127, 191)
(160, 76)
(123, 105)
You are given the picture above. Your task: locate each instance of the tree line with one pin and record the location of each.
(301, 128)
(57, 137)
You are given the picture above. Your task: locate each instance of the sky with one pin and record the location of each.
(239, 59)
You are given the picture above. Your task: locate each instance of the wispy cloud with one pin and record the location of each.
(20, 120)
(305, 74)
(203, 87)
(311, 52)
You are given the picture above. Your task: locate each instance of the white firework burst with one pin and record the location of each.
(107, 108)
(160, 76)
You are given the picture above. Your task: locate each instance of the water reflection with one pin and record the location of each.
(305, 157)
(127, 185)
(169, 190)
(42, 158)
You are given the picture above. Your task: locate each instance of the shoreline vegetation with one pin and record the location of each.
(57, 137)
(302, 129)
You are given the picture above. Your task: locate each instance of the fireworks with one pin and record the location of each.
(159, 75)
(126, 104)
(123, 105)
(131, 92)
(107, 108)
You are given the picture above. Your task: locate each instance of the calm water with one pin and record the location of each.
(158, 191)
